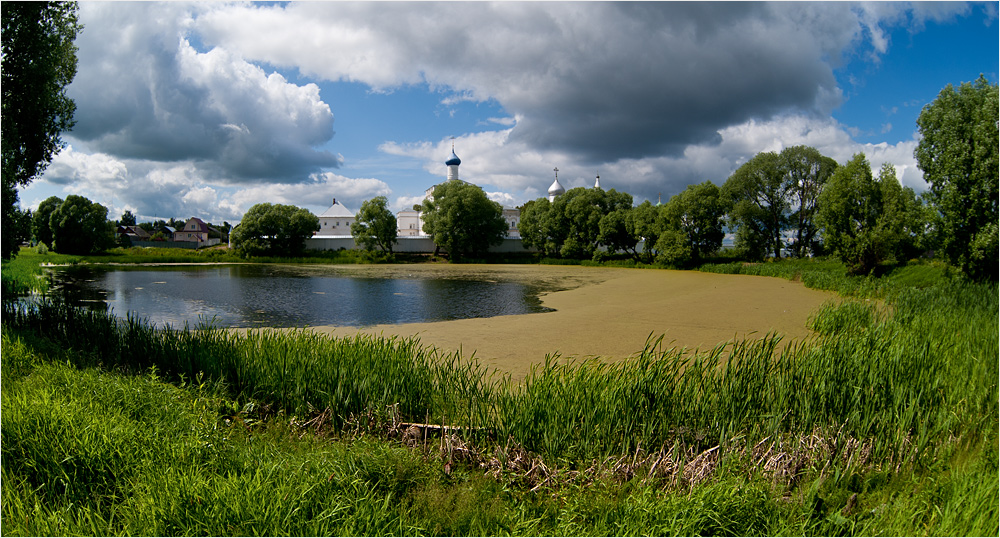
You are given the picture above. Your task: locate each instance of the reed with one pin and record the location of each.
(899, 384)
(902, 375)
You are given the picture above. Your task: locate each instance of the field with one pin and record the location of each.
(883, 422)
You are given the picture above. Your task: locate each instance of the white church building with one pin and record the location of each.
(335, 222)
(410, 224)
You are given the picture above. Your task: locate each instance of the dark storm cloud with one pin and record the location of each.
(660, 77)
(143, 92)
(602, 81)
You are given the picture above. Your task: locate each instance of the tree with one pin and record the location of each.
(274, 230)
(645, 222)
(80, 226)
(958, 155)
(460, 218)
(867, 221)
(806, 171)
(904, 217)
(375, 225)
(672, 248)
(40, 227)
(617, 231)
(128, 219)
(534, 227)
(697, 212)
(759, 197)
(39, 61)
(577, 218)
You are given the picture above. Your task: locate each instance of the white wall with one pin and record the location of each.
(412, 245)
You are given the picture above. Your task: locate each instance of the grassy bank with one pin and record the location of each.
(884, 424)
(24, 273)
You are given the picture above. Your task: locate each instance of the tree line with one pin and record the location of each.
(796, 202)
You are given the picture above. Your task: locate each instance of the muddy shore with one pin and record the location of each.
(610, 313)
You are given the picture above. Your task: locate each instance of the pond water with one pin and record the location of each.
(290, 296)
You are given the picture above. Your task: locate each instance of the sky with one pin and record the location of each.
(205, 109)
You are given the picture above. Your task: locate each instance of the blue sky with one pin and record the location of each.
(204, 109)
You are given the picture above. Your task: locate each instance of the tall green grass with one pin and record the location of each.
(895, 400)
(25, 273)
(904, 376)
(92, 452)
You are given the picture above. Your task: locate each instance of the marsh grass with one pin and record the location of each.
(908, 378)
(896, 393)
(25, 273)
(92, 452)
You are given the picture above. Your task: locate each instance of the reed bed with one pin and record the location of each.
(903, 376)
(899, 385)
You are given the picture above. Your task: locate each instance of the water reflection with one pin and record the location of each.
(282, 296)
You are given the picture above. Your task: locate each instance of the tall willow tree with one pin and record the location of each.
(759, 197)
(39, 61)
(806, 171)
(958, 155)
(461, 219)
(868, 221)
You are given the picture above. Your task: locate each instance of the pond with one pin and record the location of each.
(245, 295)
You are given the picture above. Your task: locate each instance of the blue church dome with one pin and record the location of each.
(454, 160)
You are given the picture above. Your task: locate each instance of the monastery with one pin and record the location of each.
(337, 219)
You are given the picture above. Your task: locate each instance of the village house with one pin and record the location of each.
(198, 231)
(133, 233)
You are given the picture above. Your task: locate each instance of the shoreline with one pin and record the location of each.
(610, 313)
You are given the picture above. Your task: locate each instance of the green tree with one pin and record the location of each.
(904, 217)
(867, 221)
(21, 224)
(375, 225)
(617, 231)
(38, 62)
(460, 218)
(128, 219)
(758, 195)
(697, 212)
(572, 224)
(274, 230)
(578, 215)
(40, 227)
(958, 155)
(645, 222)
(80, 226)
(806, 171)
(534, 227)
(571, 227)
(672, 248)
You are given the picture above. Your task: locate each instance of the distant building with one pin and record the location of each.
(133, 233)
(195, 230)
(198, 231)
(409, 222)
(556, 188)
(513, 217)
(336, 220)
